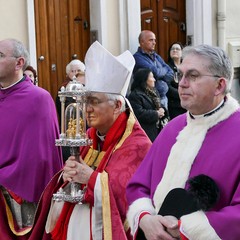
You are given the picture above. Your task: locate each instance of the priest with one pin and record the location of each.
(206, 141)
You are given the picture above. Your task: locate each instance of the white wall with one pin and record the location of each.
(17, 21)
(130, 24)
(118, 23)
(233, 20)
(105, 19)
(199, 21)
(214, 23)
(233, 31)
(13, 20)
(95, 18)
(233, 36)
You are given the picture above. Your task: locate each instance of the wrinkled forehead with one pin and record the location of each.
(6, 46)
(150, 36)
(194, 62)
(176, 45)
(96, 95)
(75, 67)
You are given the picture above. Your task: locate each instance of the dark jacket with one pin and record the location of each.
(161, 71)
(159, 68)
(144, 109)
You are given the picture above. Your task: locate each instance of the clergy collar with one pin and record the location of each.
(194, 132)
(219, 106)
(13, 84)
(101, 137)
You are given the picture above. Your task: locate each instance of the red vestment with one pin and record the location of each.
(124, 147)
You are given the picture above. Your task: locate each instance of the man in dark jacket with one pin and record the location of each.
(146, 57)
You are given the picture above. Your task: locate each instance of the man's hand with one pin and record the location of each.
(76, 171)
(158, 227)
(174, 232)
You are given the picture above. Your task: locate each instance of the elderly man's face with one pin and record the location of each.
(100, 112)
(148, 42)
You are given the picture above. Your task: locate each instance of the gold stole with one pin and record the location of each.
(93, 158)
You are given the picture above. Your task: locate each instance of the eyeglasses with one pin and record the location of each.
(176, 49)
(2, 55)
(94, 102)
(192, 76)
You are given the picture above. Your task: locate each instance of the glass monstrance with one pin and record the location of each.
(73, 133)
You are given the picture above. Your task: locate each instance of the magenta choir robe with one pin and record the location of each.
(29, 127)
(185, 148)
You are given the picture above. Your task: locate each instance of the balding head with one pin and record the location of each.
(147, 41)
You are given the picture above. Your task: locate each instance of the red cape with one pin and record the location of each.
(120, 167)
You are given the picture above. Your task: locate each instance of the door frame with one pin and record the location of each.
(32, 46)
(199, 28)
(195, 24)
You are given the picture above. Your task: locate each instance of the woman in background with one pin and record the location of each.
(174, 60)
(145, 101)
(31, 73)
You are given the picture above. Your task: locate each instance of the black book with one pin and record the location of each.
(202, 193)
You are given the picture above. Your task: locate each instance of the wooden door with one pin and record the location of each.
(62, 34)
(167, 19)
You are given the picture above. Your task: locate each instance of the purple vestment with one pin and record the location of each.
(29, 127)
(218, 157)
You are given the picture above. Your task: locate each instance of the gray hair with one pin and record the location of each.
(219, 62)
(117, 97)
(19, 50)
(75, 62)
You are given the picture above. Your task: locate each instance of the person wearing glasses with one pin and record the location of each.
(28, 155)
(104, 168)
(174, 60)
(204, 140)
(146, 57)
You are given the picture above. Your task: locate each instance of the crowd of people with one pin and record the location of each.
(163, 89)
(147, 145)
(146, 57)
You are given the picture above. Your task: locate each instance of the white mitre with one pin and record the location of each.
(107, 73)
